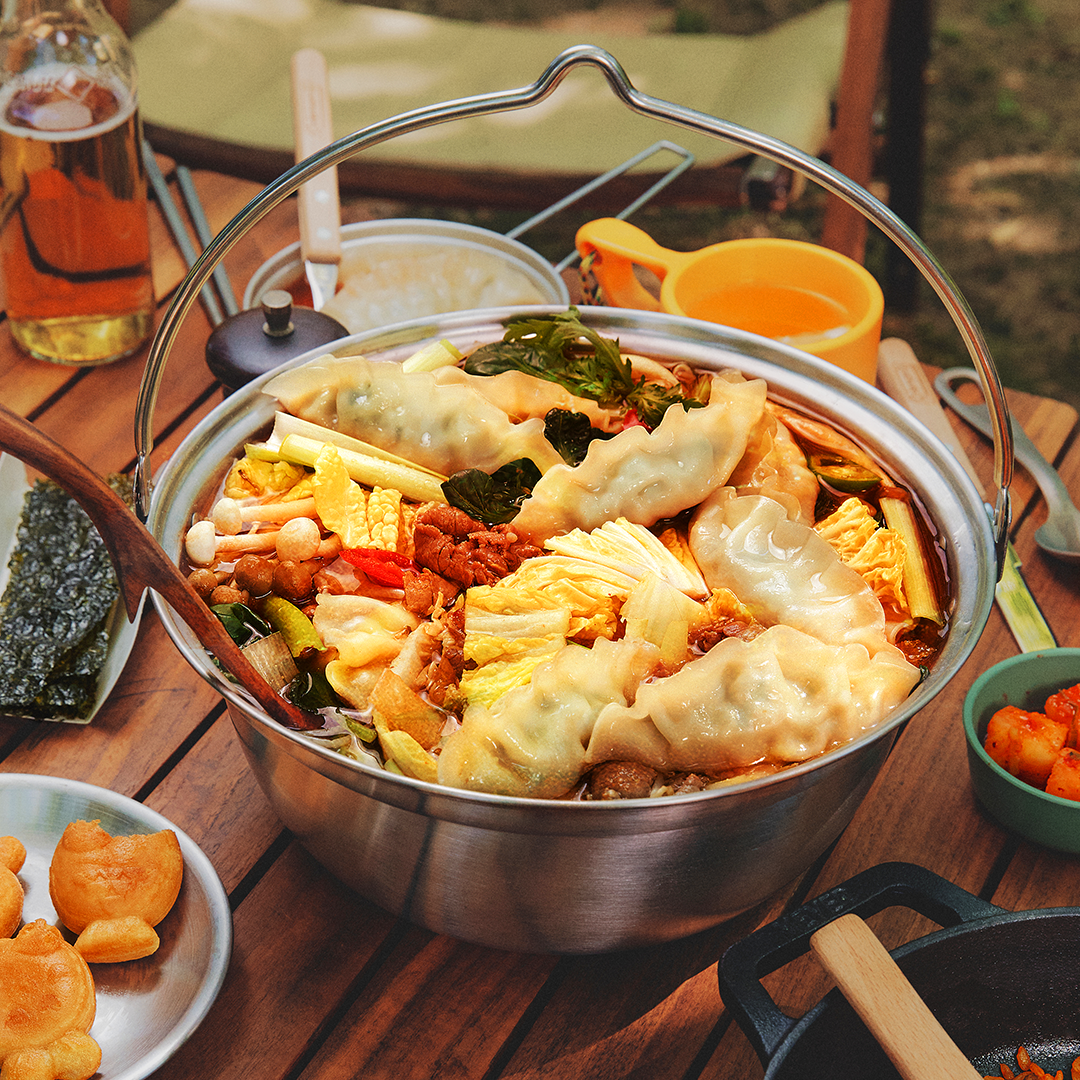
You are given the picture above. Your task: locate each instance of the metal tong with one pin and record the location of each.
(218, 305)
(1059, 535)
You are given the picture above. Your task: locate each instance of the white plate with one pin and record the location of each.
(13, 486)
(145, 1008)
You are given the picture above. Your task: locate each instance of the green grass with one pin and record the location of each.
(1003, 86)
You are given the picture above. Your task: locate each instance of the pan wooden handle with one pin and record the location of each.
(887, 1003)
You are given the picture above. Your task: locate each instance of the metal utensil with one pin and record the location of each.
(1059, 535)
(225, 298)
(190, 195)
(171, 212)
(902, 377)
(140, 561)
(320, 210)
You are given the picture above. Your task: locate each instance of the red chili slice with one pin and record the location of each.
(383, 567)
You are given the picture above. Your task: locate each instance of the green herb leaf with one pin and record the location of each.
(493, 498)
(571, 434)
(311, 690)
(242, 624)
(562, 349)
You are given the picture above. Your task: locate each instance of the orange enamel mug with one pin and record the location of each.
(802, 294)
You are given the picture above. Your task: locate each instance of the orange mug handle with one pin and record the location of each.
(618, 246)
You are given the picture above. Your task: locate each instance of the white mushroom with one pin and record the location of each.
(201, 543)
(298, 540)
(227, 517)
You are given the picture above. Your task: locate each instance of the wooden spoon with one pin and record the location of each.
(141, 563)
(887, 1003)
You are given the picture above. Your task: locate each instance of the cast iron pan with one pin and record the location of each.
(995, 980)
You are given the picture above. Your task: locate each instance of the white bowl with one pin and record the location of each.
(396, 269)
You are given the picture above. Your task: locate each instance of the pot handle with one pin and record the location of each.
(484, 104)
(745, 963)
(615, 247)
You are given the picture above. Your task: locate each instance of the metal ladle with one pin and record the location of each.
(140, 562)
(1059, 535)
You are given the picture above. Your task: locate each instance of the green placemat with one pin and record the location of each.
(220, 68)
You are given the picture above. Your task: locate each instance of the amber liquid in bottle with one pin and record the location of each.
(74, 246)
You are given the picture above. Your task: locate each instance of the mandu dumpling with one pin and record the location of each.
(408, 413)
(532, 741)
(644, 475)
(677, 592)
(819, 674)
(775, 465)
(782, 697)
(783, 570)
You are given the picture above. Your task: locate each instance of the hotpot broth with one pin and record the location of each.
(930, 638)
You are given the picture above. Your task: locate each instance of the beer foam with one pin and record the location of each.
(58, 121)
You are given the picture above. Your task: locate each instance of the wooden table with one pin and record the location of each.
(323, 984)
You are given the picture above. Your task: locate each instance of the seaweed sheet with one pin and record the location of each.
(54, 613)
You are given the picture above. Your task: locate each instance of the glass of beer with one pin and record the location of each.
(74, 230)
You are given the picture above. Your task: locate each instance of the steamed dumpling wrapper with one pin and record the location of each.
(643, 475)
(367, 634)
(522, 396)
(775, 465)
(783, 570)
(531, 741)
(361, 628)
(782, 697)
(441, 427)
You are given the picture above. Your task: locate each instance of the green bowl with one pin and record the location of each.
(1025, 681)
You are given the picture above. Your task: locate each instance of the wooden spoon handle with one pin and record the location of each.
(886, 1002)
(318, 199)
(139, 560)
(901, 376)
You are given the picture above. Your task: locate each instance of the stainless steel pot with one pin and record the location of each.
(539, 281)
(553, 876)
(587, 877)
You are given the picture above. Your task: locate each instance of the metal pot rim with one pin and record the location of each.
(794, 377)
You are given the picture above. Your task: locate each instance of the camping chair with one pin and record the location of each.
(258, 146)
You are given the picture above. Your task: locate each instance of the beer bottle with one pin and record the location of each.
(74, 232)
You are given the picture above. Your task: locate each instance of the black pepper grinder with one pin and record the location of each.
(253, 342)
